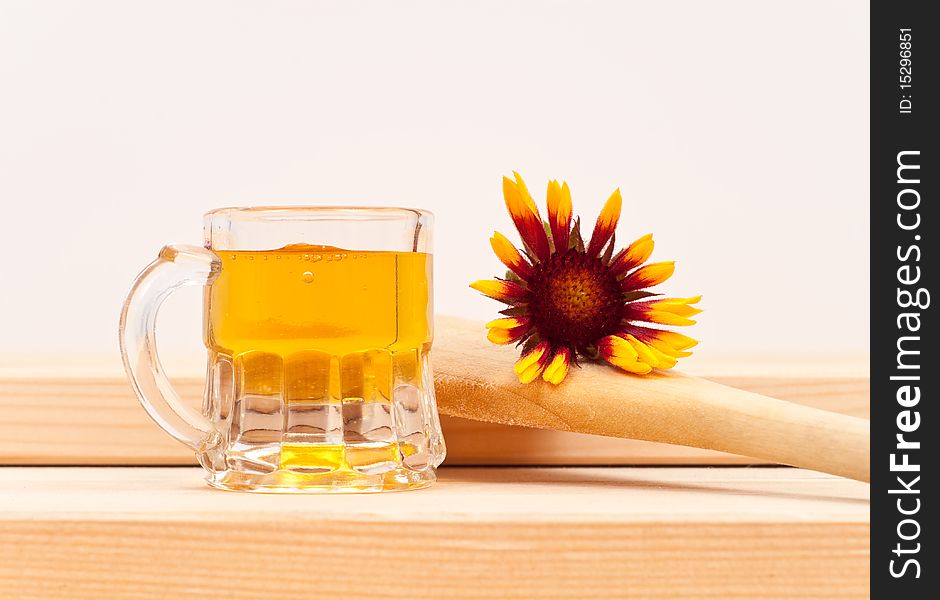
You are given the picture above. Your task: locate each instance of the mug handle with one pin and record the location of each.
(176, 266)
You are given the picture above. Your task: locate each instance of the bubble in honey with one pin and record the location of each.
(317, 258)
(307, 277)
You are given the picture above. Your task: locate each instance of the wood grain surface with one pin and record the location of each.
(479, 532)
(58, 410)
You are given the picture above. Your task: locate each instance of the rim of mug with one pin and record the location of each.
(313, 212)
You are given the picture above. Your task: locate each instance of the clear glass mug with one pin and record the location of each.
(318, 324)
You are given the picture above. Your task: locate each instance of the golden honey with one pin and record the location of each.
(319, 298)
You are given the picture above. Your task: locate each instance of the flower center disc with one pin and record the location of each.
(575, 300)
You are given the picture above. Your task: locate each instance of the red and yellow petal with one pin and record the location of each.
(677, 306)
(510, 256)
(650, 354)
(620, 353)
(532, 363)
(557, 369)
(663, 360)
(665, 311)
(648, 276)
(559, 214)
(669, 350)
(507, 330)
(525, 215)
(644, 353)
(635, 255)
(670, 343)
(606, 223)
(666, 318)
(675, 340)
(499, 289)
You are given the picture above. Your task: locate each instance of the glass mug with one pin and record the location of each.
(318, 324)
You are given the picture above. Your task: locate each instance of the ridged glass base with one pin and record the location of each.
(309, 422)
(342, 482)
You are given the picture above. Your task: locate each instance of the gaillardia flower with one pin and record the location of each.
(569, 299)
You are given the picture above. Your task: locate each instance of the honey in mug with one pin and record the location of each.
(317, 360)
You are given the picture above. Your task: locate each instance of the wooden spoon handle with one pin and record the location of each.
(475, 380)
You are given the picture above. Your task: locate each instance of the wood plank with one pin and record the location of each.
(80, 410)
(480, 532)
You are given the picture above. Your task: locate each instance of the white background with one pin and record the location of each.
(737, 131)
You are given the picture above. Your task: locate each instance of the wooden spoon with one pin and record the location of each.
(474, 379)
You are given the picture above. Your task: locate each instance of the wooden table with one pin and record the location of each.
(720, 529)
(480, 532)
